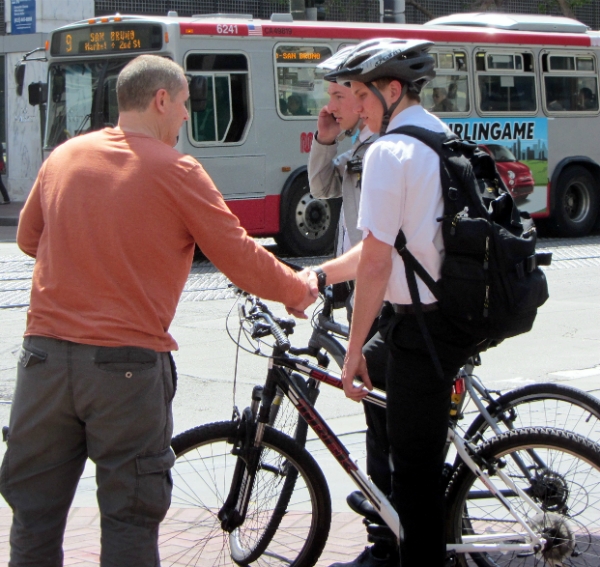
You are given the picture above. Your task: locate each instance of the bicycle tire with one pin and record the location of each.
(567, 490)
(543, 405)
(201, 481)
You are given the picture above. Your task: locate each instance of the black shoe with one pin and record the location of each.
(5, 203)
(367, 559)
(359, 503)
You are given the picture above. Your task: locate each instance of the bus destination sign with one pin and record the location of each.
(107, 38)
(302, 54)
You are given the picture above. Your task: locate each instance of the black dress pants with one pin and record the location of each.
(416, 424)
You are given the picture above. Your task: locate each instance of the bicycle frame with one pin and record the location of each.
(278, 377)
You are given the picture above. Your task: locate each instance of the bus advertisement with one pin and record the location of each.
(525, 88)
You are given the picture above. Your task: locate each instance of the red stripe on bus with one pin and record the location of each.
(257, 216)
(441, 35)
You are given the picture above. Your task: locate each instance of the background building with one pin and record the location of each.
(24, 27)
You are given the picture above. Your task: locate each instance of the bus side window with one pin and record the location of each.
(506, 82)
(570, 83)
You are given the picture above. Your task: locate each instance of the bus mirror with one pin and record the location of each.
(198, 93)
(20, 76)
(38, 93)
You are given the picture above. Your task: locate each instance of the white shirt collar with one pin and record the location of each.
(407, 116)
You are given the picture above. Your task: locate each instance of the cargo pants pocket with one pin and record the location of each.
(30, 356)
(154, 484)
(125, 359)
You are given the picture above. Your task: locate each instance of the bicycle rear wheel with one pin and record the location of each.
(191, 534)
(542, 405)
(561, 474)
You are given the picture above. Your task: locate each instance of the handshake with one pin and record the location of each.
(312, 293)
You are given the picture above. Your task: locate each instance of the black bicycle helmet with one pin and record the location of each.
(405, 60)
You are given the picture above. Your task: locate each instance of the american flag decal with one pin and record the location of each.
(254, 30)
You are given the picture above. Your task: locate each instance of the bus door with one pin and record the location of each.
(218, 129)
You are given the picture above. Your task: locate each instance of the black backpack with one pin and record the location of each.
(490, 285)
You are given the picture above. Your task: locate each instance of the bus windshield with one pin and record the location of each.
(82, 97)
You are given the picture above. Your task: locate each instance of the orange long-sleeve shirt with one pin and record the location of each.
(111, 220)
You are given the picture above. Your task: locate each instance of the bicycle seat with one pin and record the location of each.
(359, 504)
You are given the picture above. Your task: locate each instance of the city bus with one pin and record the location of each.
(523, 87)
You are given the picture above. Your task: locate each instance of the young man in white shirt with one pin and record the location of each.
(401, 189)
(331, 175)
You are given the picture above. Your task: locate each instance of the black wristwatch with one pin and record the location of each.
(321, 279)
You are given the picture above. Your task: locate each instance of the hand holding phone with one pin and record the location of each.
(327, 127)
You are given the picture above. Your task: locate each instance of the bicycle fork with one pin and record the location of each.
(247, 446)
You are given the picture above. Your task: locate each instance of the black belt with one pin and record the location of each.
(410, 309)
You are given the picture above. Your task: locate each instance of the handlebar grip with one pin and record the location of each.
(282, 340)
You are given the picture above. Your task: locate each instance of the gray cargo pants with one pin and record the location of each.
(111, 404)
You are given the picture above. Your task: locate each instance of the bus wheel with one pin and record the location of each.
(576, 205)
(308, 225)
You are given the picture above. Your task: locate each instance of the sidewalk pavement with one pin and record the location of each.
(82, 539)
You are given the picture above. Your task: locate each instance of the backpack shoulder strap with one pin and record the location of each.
(434, 140)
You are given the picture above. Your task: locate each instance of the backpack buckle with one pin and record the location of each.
(400, 242)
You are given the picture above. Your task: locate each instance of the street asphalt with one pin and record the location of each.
(564, 346)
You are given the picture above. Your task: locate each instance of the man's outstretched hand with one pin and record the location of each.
(312, 292)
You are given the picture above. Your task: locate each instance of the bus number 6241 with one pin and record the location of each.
(227, 29)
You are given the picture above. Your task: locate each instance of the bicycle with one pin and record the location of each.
(246, 493)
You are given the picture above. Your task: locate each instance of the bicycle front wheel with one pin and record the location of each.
(558, 470)
(541, 405)
(191, 534)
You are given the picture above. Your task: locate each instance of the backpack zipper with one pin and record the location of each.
(486, 256)
(486, 263)
(457, 217)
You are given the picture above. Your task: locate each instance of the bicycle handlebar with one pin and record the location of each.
(275, 329)
(260, 314)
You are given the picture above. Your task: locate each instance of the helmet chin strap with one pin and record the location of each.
(387, 112)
